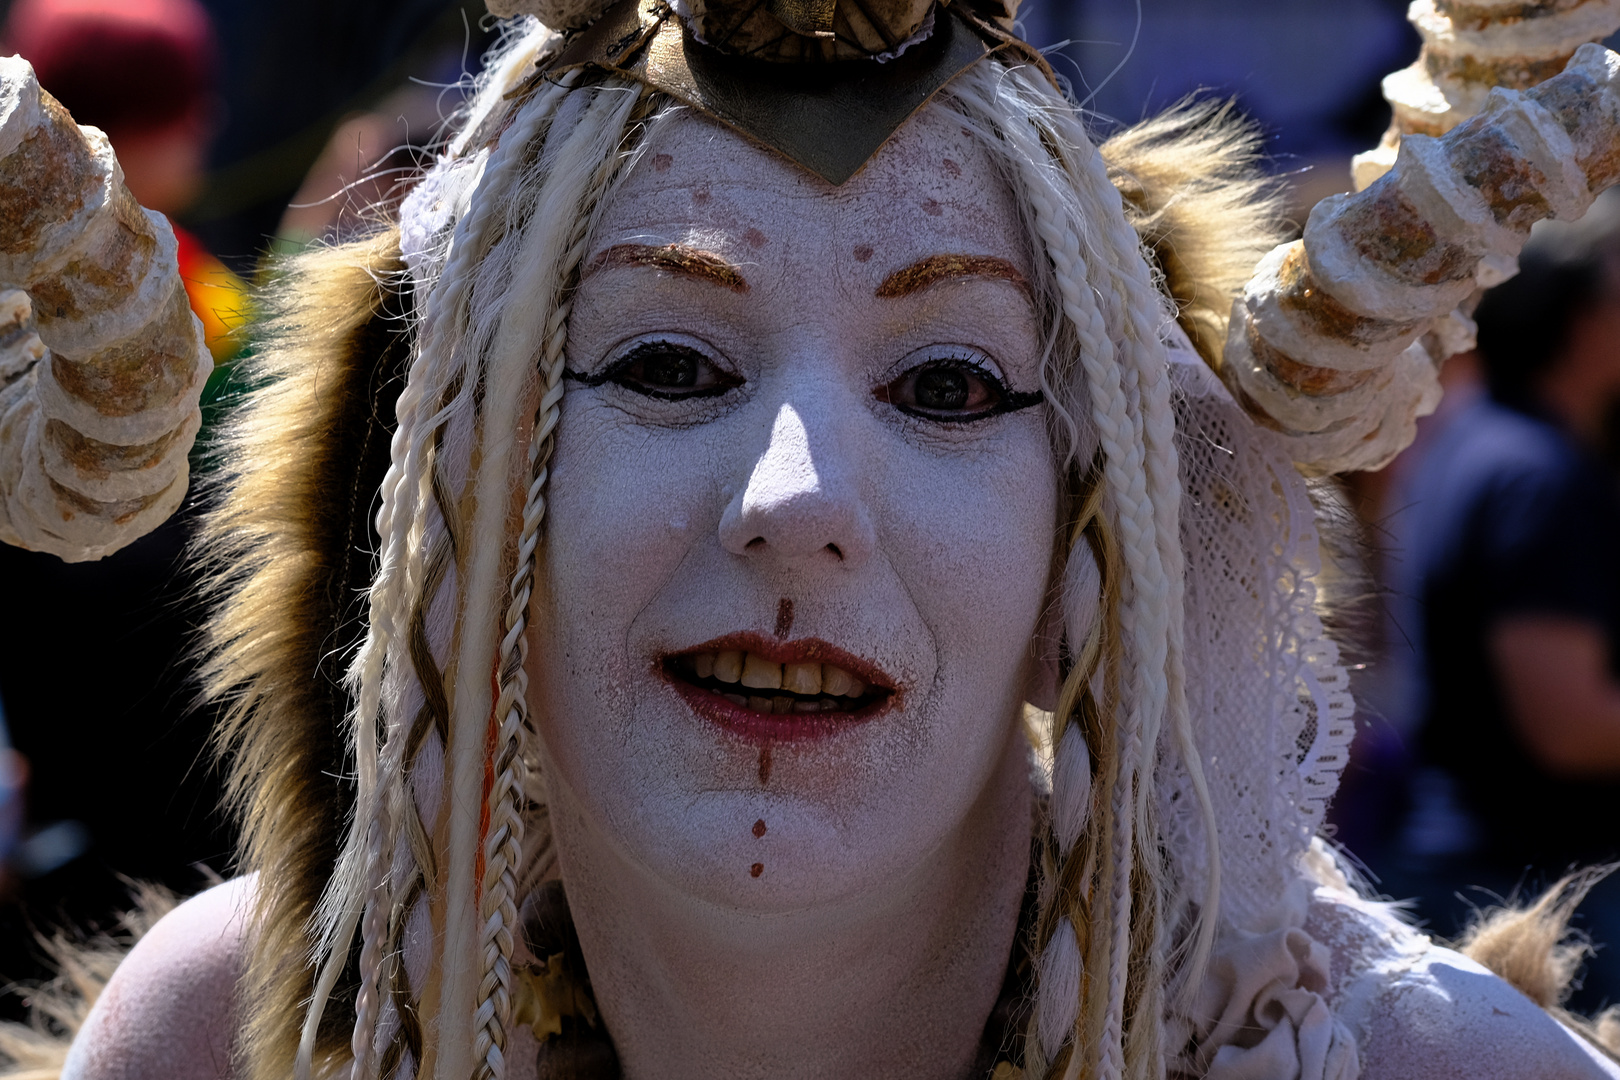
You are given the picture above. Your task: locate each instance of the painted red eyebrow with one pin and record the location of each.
(936, 268)
(677, 259)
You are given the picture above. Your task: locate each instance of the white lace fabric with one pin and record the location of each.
(1273, 719)
(1269, 698)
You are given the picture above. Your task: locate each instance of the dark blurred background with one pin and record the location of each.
(310, 109)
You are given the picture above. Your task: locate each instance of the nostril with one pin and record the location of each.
(834, 549)
(756, 542)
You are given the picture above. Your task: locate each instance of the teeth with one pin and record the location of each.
(802, 678)
(735, 699)
(836, 681)
(761, 674)
(822, 681)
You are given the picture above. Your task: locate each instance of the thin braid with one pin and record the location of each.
(408, 486)
(440, 365)
(1123, 471)
(1109, 411)
(373, 930)
(410, 858)
(504, 847)
(408, 549)
(1046, 159)
(404, 856)
(1136, 959)
(1067, 915)
(1112, 1065)
(394, 809)
(1147, 311)
(1141, 737)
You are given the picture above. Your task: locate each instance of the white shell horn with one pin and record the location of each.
(102, 362)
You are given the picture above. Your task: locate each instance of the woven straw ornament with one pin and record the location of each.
(783, 30)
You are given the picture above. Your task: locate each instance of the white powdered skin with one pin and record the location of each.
(872, 939)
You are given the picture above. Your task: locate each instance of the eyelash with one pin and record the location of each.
(645, 351)
(1005, 398)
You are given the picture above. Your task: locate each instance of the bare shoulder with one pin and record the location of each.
(1418, 1009)
(169, 1010)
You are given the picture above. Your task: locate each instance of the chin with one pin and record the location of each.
(690, 807)
(806, 856)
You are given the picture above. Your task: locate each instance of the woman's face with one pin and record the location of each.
(801, 518)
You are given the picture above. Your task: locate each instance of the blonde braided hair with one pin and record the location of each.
(1100, 1009)
(416, 553)
(504, 845)
(473, 363)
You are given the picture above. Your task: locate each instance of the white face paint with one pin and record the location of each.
(772, 457)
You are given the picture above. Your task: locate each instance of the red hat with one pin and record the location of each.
(118, 64)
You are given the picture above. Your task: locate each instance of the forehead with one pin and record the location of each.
(930, 189)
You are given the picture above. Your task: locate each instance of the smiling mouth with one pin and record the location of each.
(776, 690)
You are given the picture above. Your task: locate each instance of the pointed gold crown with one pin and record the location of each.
(823, 82)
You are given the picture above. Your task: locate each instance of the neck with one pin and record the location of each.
(894, 982)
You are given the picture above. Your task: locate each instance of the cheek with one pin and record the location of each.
(622, 514)
(974, 541)
(619, 524)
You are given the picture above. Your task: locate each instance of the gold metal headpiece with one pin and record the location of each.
(823, 82)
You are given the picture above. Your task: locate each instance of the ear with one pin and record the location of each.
(1070, 613)
(1042, 683)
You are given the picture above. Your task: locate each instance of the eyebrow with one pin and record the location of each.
(936, 268)
(677, 259)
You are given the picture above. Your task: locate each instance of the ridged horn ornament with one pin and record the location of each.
(1470, 46)
(1324, 344)
(102, 362)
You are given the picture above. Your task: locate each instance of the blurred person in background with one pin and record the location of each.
(1508, 583)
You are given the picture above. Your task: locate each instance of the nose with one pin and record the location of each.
(801, 503)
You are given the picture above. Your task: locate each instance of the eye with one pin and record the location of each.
(667, 370)
(953, 390)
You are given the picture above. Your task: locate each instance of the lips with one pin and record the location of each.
(772, 690)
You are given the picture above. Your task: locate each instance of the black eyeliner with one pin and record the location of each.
(613, 371)
(1011, 400)
(589, 380)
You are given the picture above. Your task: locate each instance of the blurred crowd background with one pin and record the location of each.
(1477, 580)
